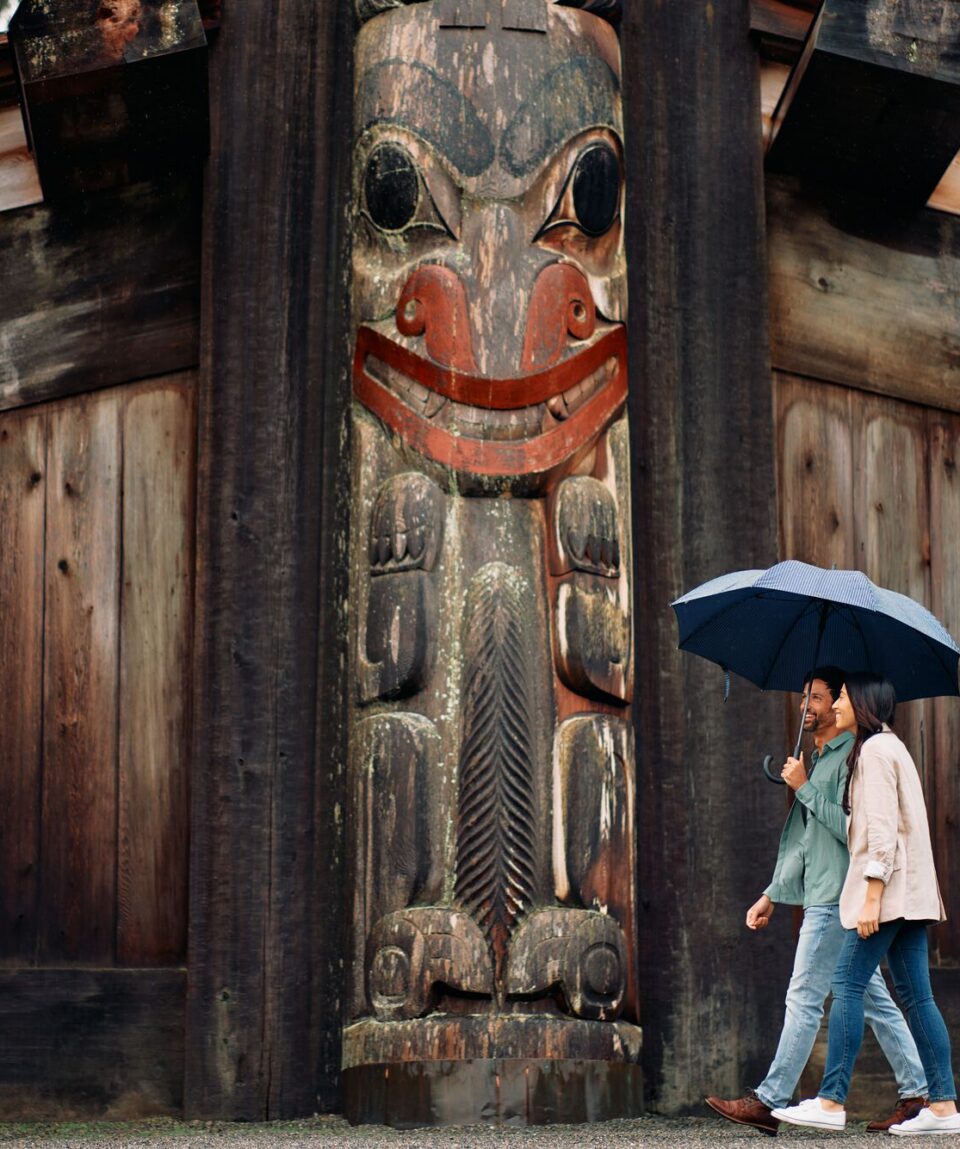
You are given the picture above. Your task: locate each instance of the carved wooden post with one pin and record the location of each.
(493, 947)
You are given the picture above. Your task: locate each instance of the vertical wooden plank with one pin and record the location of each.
(815, 471)
(79, 810)
(892, 525)
(155, 644)
(23, 486)
(704, 503)
(943, 780)
(266, 900)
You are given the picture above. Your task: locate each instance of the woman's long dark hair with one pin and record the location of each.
(874, 703)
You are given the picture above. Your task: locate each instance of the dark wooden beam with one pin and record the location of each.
(781, 26)
(711, 994)
(263, 1018)
(91, 1042)
(102, 291)
(874, 102)
(112, 95)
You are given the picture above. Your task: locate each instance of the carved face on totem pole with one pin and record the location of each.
(491, 758)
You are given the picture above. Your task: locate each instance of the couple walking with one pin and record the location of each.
(855, 853)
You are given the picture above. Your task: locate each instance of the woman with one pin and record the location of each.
(889, 897)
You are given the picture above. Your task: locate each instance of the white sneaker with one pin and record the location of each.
(812, 1114)
(927, 1122)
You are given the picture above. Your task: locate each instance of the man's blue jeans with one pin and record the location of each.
(818, 947)
(905, 946)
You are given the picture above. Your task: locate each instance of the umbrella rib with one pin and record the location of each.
(710, 620)
(937, 651)
(787, 633)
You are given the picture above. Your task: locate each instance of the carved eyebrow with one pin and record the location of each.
(576, 95)
(432, 108)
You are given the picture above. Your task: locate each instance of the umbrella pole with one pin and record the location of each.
(803, 719)
(824, 611)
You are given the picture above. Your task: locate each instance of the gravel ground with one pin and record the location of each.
(330, 1132)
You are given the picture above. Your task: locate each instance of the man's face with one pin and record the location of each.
(820, 714)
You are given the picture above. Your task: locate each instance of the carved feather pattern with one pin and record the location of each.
(496, 827)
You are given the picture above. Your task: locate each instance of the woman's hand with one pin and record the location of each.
(868, 921)
(759, 913)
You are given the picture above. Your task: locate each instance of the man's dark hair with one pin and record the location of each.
(833, 676)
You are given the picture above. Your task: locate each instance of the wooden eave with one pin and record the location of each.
(781, 28)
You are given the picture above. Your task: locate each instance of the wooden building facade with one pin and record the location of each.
(175, 504)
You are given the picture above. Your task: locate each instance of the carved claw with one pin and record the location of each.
(581, 952)
(586, 533)
(406, 527)
(413, 952)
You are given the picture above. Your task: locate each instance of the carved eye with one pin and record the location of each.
(596, 189)
(391, 187)
(590, 200)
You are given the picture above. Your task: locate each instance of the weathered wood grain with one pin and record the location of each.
(159, 432)
(943, 779)
(23, 483)
(858, 302)
(79, 806)
(102, 291)
(892, 525)
(267, 780)
(703, 467)
(815, 472)
(91, 1043)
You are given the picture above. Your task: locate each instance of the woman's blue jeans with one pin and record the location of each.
(818, 947)
(904, 944)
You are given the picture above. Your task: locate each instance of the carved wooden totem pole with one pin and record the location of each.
(492, 954)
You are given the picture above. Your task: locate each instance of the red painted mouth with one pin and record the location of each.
(528, 424)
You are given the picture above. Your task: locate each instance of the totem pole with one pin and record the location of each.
(491, 965)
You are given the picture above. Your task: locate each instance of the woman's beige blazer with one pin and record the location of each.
(888, 836)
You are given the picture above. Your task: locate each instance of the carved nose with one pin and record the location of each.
(561, 308)
(433, 304)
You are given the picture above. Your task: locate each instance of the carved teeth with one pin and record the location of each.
(563, 406)
(415, 542)
(424, 401)
(399, 545)
(489, 423)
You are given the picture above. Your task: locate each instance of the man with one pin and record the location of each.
(811, 866)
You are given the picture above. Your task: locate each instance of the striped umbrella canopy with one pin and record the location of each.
(774, 626)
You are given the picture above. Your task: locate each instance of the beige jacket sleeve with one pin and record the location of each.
(888, 837)
(879, 796)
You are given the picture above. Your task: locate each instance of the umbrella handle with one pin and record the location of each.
(766, 770)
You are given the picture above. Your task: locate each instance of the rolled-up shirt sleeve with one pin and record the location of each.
(878, 792)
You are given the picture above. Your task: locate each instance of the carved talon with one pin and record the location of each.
(586, 532)
(406, 527)
(414, 951)
(580, 951)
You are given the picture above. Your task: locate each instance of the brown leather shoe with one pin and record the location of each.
(907, 1107)
(745, 1111)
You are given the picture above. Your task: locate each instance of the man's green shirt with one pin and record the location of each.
(812, 859)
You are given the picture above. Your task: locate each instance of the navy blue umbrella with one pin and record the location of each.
(774, 626)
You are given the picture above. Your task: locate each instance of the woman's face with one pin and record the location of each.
(843, 711)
